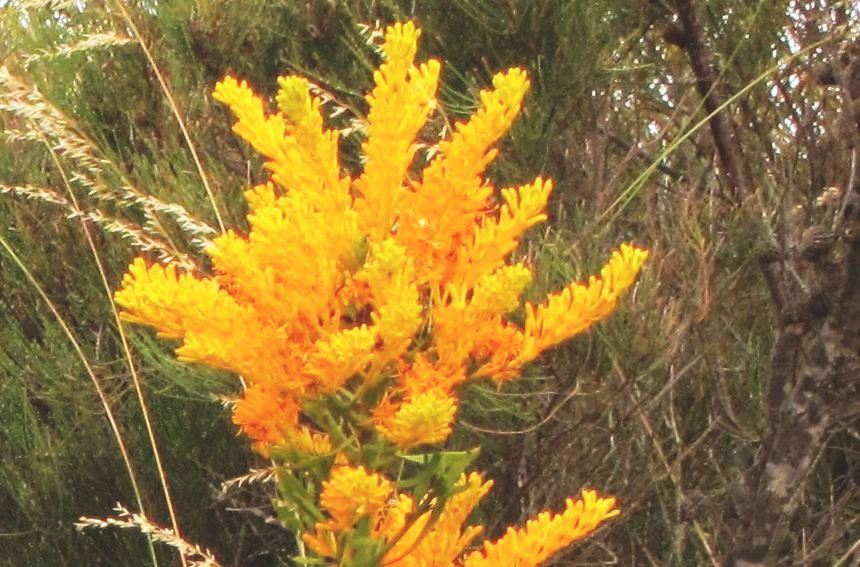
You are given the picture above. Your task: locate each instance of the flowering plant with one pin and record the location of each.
(355, 308)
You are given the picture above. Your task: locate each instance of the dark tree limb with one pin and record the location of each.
(815, 370)
(701, 62)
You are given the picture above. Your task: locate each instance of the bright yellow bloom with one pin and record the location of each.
(546, 535)
(562, 316)
(423, 376)
(497, 237)
(341, 355)
(355, 308)
(446, 538)
(497, 350)
(264, 133)
(467, 320)
(351, 493)
(157, 296)
(392, 519)
(265, 415)
(323, 542)
(302, 156)
(305, 441)
(216, 329)
(390, 277)
(336, 280)
(399, 105)
(579, 306)
(317, 168)
(445, 207)
(426, 419)
(499, 292)
(291, 264)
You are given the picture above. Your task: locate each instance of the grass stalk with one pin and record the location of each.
(135, 378)
(91, 373)
(175, 109)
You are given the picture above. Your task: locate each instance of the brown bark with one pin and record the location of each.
(701, 62)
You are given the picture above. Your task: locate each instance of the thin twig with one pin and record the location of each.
(529, 429)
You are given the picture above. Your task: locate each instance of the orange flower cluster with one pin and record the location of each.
(381, 294)
(427, 541)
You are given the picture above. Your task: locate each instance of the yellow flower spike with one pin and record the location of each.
(474, 327)
(251, 282)
(390, 276)
(545, 535)
(493, 241)
(468, 152)
(498, 349)
(261, 196)
(578, 306)
(323, 542)
(216, 329)
(265, 134)
(400, 103)
(442, 210)
(256, 353)
(499, 292)
(290, 251)
(156, 296)
(264, 414)
(295, 102)
(423, 376)
(296, 239)
(351, 493)
(307, 236)
(341, 355)
(453, 327)
(446, 539)
(400, 47)
(426, 419)
(316, 161)
(510, 87)
(302, 155)
(392, 519)
(449, 537)
(304, 440)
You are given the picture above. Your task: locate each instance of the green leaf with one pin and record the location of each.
(294, 491)
(308, 560)
(366, 550)
(438, 472)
